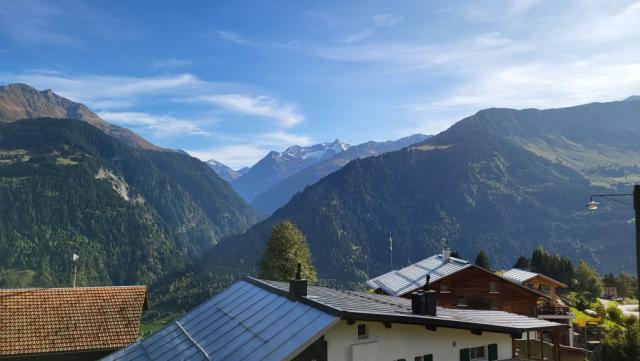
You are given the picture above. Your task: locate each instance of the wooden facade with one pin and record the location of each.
(476, 288)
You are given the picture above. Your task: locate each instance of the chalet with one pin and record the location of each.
(71, 324)
(265, 320)
(610, 289)
(461, 284)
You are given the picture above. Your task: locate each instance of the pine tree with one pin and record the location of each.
(522, 263)
(482, 260)
(588, 280)
(285, 249)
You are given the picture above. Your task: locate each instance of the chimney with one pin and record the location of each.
(446, 254)
(423, 302)
(297, 286)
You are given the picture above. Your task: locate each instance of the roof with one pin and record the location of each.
(50, 320)
(244, 322)
(410, 278)
(365, 306)
(520, 276)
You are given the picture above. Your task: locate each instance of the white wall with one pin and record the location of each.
(408, 341)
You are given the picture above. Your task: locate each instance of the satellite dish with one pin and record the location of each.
(75, 257)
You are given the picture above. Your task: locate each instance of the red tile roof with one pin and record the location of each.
(69, 319)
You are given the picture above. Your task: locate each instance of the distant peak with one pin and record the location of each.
(633, 98)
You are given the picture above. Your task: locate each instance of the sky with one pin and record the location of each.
(233, 80)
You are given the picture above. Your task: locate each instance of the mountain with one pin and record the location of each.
(21, 101)
(225, 172)
(633, 98)
(277, 166)
(280, 193)
(503, 181)
(133, 213)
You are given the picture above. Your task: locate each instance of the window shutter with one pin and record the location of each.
(428, 357)
(493, 352)
(464, 354)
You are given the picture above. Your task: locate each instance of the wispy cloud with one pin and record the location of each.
(379, 21)
(171, 63)
(233, 37)
(159, 125)
(287, 114)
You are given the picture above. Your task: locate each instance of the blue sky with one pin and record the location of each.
(233, 80)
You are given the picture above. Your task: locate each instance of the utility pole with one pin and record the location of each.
(636, 207)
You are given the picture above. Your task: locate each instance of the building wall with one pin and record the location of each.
(473, 285)
(406, 342)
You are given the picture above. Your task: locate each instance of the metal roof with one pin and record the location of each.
(244, 322)
(518, 275)
(410, 278)
(365, 306)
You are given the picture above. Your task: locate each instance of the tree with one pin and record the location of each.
(482, 260)
(588, 280)
(285, 249)
(522, 263)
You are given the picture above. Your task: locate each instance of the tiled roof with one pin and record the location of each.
(69, 319)
(244, 322)
(412, 277)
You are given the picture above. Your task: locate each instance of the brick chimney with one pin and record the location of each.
(423, 302)
(446, 254)
(297, 286)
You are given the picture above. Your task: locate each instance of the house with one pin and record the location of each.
(536, 281)
(266, 320)
(461, 284)
(74, 324)
(610, 289)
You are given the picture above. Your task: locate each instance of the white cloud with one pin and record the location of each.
(233, 37)
(286, 114)
(387, 19)
(282, 139)
(159, 125)
(171, 63)
(234, 156)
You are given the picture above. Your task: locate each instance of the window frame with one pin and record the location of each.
(484, 356)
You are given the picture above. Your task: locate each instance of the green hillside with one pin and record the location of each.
(132, 215)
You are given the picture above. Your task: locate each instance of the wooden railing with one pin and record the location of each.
(558, 310)
(545, 351)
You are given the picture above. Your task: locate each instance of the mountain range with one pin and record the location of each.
(225, 172)
(504, 181)
(72, 183)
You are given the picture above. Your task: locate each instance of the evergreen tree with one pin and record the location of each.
(482, 260)
(285, 249)
(522, 263)
(588, 280)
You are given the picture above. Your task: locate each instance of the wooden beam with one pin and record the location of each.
(476, 332)
(431, 327)
(350, 321)
(387, 324)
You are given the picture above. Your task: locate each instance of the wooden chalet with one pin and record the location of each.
(71, 324)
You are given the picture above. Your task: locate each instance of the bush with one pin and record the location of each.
(614, 314)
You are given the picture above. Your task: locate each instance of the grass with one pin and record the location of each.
(582, 318)
(148, 328)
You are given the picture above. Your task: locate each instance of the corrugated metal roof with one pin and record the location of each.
(410, 278)
(518, 275)
(361, 305)
(244, 322)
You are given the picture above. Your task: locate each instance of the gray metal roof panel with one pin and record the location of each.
(395, 309)
(413, 277)
(239, 323)
(518, 275)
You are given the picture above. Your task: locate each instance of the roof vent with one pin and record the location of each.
(423, 302)
(446, 254)
(297, 286)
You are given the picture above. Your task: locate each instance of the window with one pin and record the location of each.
(495, 306)
(444, 287)
(493, 287)
(363, 331)
(460, 302)
(418, 358)
(477, 353)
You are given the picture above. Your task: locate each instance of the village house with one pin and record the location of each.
(463, 285)
(266, 320)
(610, 289)
(70, 324)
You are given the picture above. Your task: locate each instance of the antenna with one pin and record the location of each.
(391, 250)
(74, 258)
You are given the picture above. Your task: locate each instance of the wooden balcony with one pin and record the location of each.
(553, 310)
